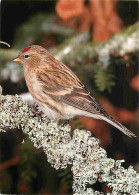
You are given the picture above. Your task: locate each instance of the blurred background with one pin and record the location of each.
(113, 78)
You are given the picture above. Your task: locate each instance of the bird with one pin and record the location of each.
(58, 91)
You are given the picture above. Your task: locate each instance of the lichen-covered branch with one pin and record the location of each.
(97, 60)
(8, 54)
(78, 47)
(125, 42)
(89, 161)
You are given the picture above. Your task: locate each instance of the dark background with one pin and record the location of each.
(14, 13)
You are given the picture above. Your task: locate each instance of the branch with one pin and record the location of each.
(122, 43)
(77, 48)
(7, 54)
(89, 161)
(98, 59)
(95, 60)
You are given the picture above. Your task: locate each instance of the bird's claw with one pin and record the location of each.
(36, 111)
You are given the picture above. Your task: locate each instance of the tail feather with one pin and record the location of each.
(118, 125)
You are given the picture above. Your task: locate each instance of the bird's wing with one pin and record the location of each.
(68, 90)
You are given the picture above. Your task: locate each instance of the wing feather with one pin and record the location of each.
(68, 90)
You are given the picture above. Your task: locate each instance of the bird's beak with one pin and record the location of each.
(17, 60)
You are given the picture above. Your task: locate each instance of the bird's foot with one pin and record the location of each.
(36, 111)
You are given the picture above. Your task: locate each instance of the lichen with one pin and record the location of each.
(82, 151)
(122, 43)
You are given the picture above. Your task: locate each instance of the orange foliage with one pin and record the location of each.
(125, 116)
(105, 19)
(135, 83)
(101, 131)
(23, 188)
(63, 188)
(71, 8)
(88, 123)
(99, 13)
(107, 189)
(8, 163)
(100, 32)
(84, 22)
(121, 114)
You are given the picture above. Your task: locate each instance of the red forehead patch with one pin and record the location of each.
(26, 49)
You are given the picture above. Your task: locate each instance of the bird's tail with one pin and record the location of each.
(118, 125)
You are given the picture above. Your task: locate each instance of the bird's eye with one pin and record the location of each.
(26, 56)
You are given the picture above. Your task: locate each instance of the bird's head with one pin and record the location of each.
(31, 56)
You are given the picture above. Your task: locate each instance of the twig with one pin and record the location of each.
(2, 42)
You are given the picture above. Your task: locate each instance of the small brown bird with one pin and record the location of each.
(57, 90)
